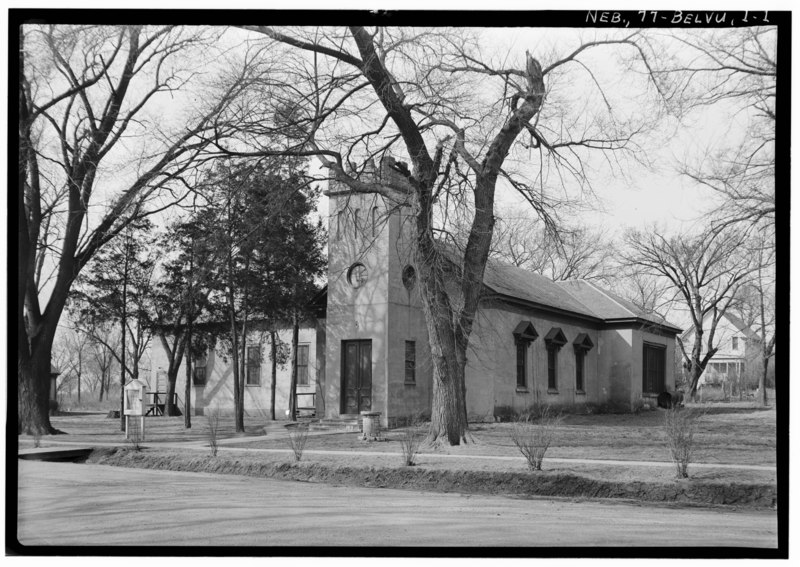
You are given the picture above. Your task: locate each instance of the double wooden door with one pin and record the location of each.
(356, 376)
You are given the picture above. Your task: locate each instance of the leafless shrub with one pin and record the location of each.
(134, 435)
(37, 438)
(298, 435)
(411, 439)
(680, 426)
(533, 435)
(212, 418)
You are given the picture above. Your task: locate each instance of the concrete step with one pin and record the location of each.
(346, 423)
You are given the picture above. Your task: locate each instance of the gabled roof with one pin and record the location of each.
(521, 284)
(582, 341)
(577, 297)
(740, 325)
(525, 331)
(555, 336)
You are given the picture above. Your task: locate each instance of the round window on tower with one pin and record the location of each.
(357, 275)
(409, 277)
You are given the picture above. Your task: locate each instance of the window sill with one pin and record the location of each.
(252, 385)
(409, 383)
(580, 393)
(522, 390)
(552, 391)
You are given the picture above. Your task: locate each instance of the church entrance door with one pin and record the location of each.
(356, 376)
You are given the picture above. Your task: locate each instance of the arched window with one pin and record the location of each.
(374, 221)
(355, 222)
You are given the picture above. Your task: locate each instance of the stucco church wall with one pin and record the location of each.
(615, 351)
(491, 374)
(217, 393)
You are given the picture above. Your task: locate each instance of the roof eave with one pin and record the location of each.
(644, 322)
(541, 306)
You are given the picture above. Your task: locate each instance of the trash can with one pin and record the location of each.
(669, 400)
(370, 424)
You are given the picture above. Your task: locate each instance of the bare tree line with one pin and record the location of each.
(462, 124)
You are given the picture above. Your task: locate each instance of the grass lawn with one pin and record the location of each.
(728, 433)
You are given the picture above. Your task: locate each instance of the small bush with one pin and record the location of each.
(411, 439)
(298, 435)
(504, 414)
(534, 434)
(134, 434)
(37, 438)
(212, 418)
(680, 426)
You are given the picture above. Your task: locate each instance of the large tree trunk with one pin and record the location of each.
(33, 381)
(448, 413)
(273, 380)
(176, 356)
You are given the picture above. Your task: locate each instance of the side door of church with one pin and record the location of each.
(356, 376)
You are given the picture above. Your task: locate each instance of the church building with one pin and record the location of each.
(534, 341)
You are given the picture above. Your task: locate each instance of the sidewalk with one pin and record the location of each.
(202, 445)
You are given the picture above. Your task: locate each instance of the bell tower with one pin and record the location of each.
(374, 320)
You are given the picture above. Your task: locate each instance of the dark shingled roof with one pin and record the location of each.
(522, 284)
(576, 296)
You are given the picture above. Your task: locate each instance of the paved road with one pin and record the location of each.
(79, 504)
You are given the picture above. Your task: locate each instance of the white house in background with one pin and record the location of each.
(736, 343)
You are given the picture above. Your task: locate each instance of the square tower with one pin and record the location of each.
(377, 353)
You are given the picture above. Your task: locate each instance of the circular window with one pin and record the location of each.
(409, 277)
(357, 275)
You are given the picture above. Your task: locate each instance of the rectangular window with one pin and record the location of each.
(653, 368)
(253, 377)
(302, 365)
(579, 357)
(552, 369)
(199, 371)
(411, 362)
(522, 348)
(735, 343)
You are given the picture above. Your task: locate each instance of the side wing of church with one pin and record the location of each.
(534, 341)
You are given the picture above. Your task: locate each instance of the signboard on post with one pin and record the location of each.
(135, 407)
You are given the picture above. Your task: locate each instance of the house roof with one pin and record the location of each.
(578, 297)
(740, 325)
(522, 284)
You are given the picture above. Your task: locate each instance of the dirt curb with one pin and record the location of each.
(549, 484)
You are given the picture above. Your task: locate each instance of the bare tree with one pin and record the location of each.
(707, 270)
(467, 122)
(736, 70)
(568, 254)
(89, 99)
(72, 353)
(756, 306)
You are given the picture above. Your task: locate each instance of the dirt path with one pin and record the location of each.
(79, 504)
